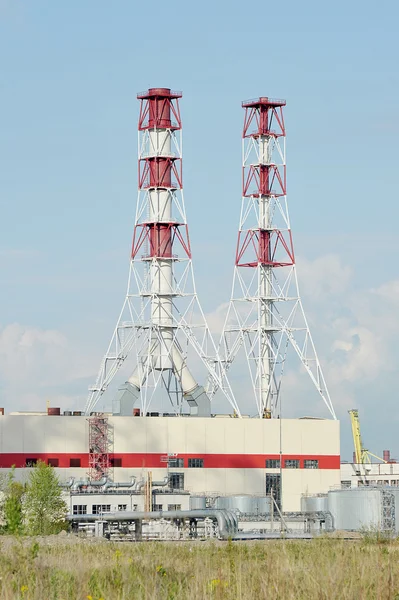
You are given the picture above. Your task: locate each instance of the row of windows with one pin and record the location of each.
(193, 463)
(99, 509)
(289, 463)
(53, 462)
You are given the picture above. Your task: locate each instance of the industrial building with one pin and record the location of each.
(141, 456)
(214, 456)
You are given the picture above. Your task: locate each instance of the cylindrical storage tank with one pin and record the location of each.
(317, 503)
(264, 505)
(53, 411)
(223, 502)
(244, 504)
(197, 502)
(356, 509)
(67, 413)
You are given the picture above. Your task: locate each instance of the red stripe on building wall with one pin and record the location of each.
(158, 461)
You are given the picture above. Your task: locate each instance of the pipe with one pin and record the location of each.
(139, 486)
(78, 484)
(225, 519)
(124, 484)
(67, 484)
(163, 483)
(232, 520)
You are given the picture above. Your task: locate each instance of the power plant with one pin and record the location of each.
(163, 463)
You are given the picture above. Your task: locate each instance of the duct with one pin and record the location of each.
(163, 483)
(225, 520)
(126, 484)
(83, 482)
(193, 393)
(125, 399)
(139, 486)
(232, 520)
(68, 484)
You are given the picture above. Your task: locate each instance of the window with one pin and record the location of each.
(176, 462)
(273, 486)
(53, 462)
(98, 509)
(115, 462)
(157, 507)
(195, 463)
(176, 481)
(291, 463)
(74, 462)
(174, 506)
(346, 484)
(79, 509)
(272, 463)
(122, 506)
(311, 464)
(30, 462)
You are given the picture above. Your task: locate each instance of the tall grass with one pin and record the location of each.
(83, 570)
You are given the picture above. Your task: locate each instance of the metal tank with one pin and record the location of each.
(264, 505)
(197, 502)
(356, 509)
(222, 502)
(245, 504)
(316, 503)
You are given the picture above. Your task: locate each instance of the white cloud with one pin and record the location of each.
(323, 277)
(354, 329)
(355, 332)
(38, 364)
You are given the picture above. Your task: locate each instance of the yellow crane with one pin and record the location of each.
(362, 455)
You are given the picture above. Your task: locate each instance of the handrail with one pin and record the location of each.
(264, 100)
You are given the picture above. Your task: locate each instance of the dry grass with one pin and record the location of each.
(66, 569)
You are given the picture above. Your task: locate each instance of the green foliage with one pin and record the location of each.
(13, 509)
(44, 509)
(319, 569)
(374, 535)
(12, 492)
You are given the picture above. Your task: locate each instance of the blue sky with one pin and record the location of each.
(69, 74)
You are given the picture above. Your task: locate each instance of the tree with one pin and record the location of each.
(43, 506)
(13, 508)
(11, 493)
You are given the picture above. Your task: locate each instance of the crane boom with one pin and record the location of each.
(362, 455)
(357, 439)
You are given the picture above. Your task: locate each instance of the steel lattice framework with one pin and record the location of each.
(161, 318)
(99, 447)
(265, 314)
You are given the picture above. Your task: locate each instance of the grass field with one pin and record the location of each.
(68, 569)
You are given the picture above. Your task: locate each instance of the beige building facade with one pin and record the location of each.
(216, 456)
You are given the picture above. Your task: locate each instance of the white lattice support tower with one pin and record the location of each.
(265, 314)
(161, 318)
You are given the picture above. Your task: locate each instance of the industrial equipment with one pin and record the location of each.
(362, 455)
